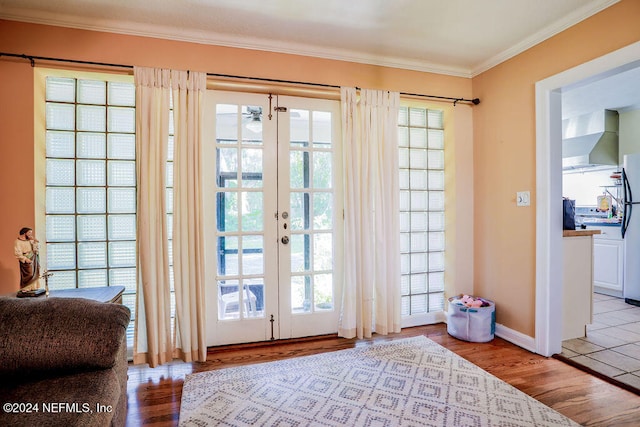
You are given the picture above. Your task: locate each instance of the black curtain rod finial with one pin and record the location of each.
(475, 101)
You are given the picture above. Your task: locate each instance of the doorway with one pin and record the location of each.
(549, 187)
(274, 230)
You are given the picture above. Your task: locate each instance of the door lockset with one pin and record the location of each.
(285, 240)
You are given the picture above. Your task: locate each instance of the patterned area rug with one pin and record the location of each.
(406, 382)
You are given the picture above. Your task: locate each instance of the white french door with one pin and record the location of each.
(274, 233)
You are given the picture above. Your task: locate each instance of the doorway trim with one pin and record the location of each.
(548, 336)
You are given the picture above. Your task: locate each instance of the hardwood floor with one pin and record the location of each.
(154, 394)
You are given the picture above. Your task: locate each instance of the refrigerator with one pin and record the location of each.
(630, 227)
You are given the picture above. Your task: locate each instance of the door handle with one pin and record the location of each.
(285, 240)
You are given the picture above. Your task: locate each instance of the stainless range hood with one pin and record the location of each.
(590, 140)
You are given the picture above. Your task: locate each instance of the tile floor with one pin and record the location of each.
(612, 344)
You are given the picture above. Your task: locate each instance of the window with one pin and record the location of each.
(90, 184)
(421, 155)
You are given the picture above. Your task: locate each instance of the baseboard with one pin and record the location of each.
(515, 337)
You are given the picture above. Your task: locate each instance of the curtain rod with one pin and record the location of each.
(32, 59)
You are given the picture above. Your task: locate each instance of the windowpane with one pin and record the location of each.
(92, 278)
(91, 118)
(121, 174)
(122, 254)
(121, 146)
(121, 94)
(61, 172)
(91, 145)
(90, 170)
(122, 119)
(60, 116)
(421, 161)
(60, 144)
(61, 228)
(61, 256)
(122, 227)
(91, 200)
(417, 117)
(122, 200)
(91, 92)
(92, 255)
(60, 89)
(60, 200)
(92, 227)
(123, 277)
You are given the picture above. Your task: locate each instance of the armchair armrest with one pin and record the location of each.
(38, 335)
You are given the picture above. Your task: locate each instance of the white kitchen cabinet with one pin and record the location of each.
(577, 295)
(608, 262)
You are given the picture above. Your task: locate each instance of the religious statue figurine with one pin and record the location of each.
(26, 251)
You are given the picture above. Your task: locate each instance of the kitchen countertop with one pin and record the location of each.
(579, 233)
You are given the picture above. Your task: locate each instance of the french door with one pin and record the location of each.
(274, 234)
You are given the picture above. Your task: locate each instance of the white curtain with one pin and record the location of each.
(188, 236)
(155, 343)
(152, 343)
(371, 295)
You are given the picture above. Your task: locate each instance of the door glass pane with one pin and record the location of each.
(227, 209)
(322, 130)
(299, 128)
(228, 256)
(322, 211)
(311, 169)
(251, 124)
(322, 174)
(300, 294)
(252, 211)
(240, 212)
(299, 210)
(322, 251)
(252, 257)
(226, 123)
(323, 291)
(252, 168)
(299, 252)
(299, 169)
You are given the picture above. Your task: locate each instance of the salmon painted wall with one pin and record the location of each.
(17, 124)
(504, 157)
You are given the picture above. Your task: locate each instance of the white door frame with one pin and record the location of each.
(549, 262)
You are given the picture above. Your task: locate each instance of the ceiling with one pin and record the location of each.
(454, 37)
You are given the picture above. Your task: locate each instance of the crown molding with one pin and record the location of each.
(224, 40)
(546, 33)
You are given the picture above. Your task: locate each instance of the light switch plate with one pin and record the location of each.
(523, 198)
